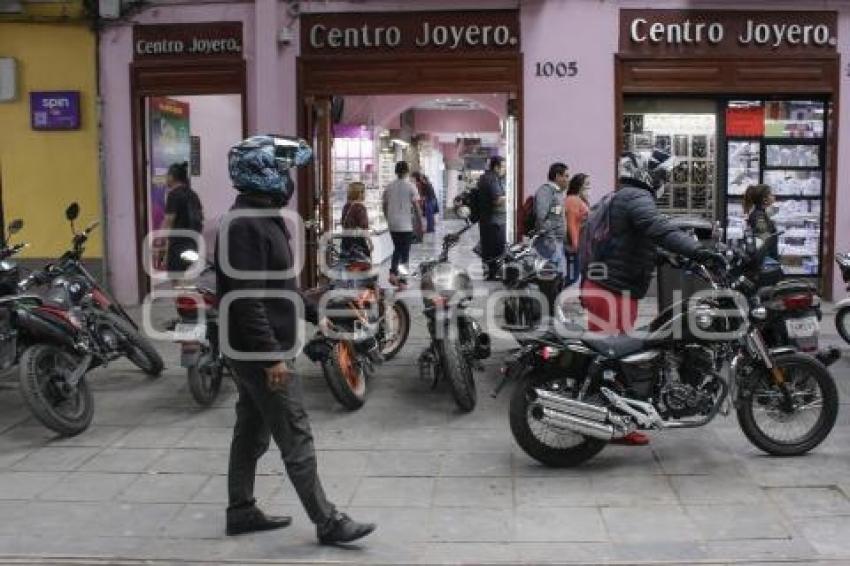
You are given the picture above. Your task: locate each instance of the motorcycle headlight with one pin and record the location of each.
(703, 317)
(759, 313)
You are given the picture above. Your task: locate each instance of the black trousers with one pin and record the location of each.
(401, 249)
(493, 237)
(262, 414)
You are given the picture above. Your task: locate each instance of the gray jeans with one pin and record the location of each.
(262, 414)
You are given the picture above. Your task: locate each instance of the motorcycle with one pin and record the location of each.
(368, 327)
(576, 393)
(458, 342)
(842, 312)
(524, 270)
(120, 330)
(793, 305)
(200, 352)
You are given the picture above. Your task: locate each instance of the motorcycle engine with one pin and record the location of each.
(691, 386)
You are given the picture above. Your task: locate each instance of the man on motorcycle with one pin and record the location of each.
(251, 252)
(619, 275)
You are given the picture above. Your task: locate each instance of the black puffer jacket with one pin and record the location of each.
(637, 227)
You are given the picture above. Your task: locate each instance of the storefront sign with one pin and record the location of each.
(213, 40)
(55, 110)
(710, 32)
(449, 31)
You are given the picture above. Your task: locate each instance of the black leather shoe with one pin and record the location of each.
(341, 529)
(251, 519)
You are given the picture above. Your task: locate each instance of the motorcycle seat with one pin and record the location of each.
(617, 346)
(787, 287)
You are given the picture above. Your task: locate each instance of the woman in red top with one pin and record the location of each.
(576, 209)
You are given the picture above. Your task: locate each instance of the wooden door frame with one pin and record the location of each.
(382, 74)
(158, 78)
(743, 76)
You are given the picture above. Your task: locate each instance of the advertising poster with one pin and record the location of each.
(168, 132)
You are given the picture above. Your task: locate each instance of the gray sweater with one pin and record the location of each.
(549, 210)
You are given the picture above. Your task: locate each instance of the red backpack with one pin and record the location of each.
(528, 216)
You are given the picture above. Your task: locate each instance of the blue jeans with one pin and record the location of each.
(553, 250)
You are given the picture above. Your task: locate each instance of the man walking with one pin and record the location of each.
(401, 209)
(549, 216)
(252, 251)
(493, 218)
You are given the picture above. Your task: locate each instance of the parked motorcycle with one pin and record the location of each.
(368, 327)
(120, 330)
(197, 333)
(577, 393)
(458, 342)
(842, 311)
(524, 271)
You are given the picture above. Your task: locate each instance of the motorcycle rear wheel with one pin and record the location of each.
(766, 398)
(205, 378)
(456, 370)
(842, 323)
(345, 375)
(396, 336)
(528, 432)
(40, 385)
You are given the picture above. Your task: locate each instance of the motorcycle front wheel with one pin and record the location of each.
(456, 370)
(396, 329)
(842, 323)
(345, 375)
(550, 447)
(137, 348)
(63, 410)
(794, 424)
(205, 377)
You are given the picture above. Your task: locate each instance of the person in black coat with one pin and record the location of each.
(259, 336)
(492, 224)
(758, 204)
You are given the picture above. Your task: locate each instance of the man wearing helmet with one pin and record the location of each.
(620, 276)
(255, 240)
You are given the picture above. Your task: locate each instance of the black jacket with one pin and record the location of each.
(763, 227)
(637, 227)
(490, 189)
(259, 244)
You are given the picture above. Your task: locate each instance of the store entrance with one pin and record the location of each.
(726, 144)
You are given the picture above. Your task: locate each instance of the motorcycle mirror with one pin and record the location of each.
(190, 256)
(72, 212)
(463, 212)
(15, 226)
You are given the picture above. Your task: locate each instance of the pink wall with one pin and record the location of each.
(455, 121)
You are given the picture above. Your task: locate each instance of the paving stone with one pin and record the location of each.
(56, 459)
(559, 524)
(696, 490)
(828, 535)
(98, 436)
(394, 492)
(474, 492)
(652, 524)
(554, 492)
(164, 488)
(403, 463)
(735, 522)
(214, 490)
(197, 521)
(800, 502)
(133, 519)
(88, 486)
(151, 437)
(618, 491)
(395, 524)
(25, 485)
(461, 524)
(126, 460)
(191, 462)
(212, 438)
(474, 464)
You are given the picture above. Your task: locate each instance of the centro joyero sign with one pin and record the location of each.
(726, 32)
(169, 41)
(484, 30)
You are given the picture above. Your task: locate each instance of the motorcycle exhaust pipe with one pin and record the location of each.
(578, 425)
(561, 404)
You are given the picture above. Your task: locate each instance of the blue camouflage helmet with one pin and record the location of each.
(261, 163)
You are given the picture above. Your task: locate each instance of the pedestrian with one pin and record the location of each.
(576, 208)
(493, 216)
(404, 219)
(549, 217)
(622, 265)
(758, 207)
(355, 219)
(270, 404)
(432, 206)
(183, 211)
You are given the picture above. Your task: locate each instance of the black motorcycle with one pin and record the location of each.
(458, 342)
(119, 330)
(577, 391)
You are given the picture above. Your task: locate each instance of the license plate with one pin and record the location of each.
(190, 332)
(802, 327)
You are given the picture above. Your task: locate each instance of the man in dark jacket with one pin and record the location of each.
(614, 284)
(252, 255)
(493, 221)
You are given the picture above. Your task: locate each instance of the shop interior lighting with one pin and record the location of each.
(400, 142)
